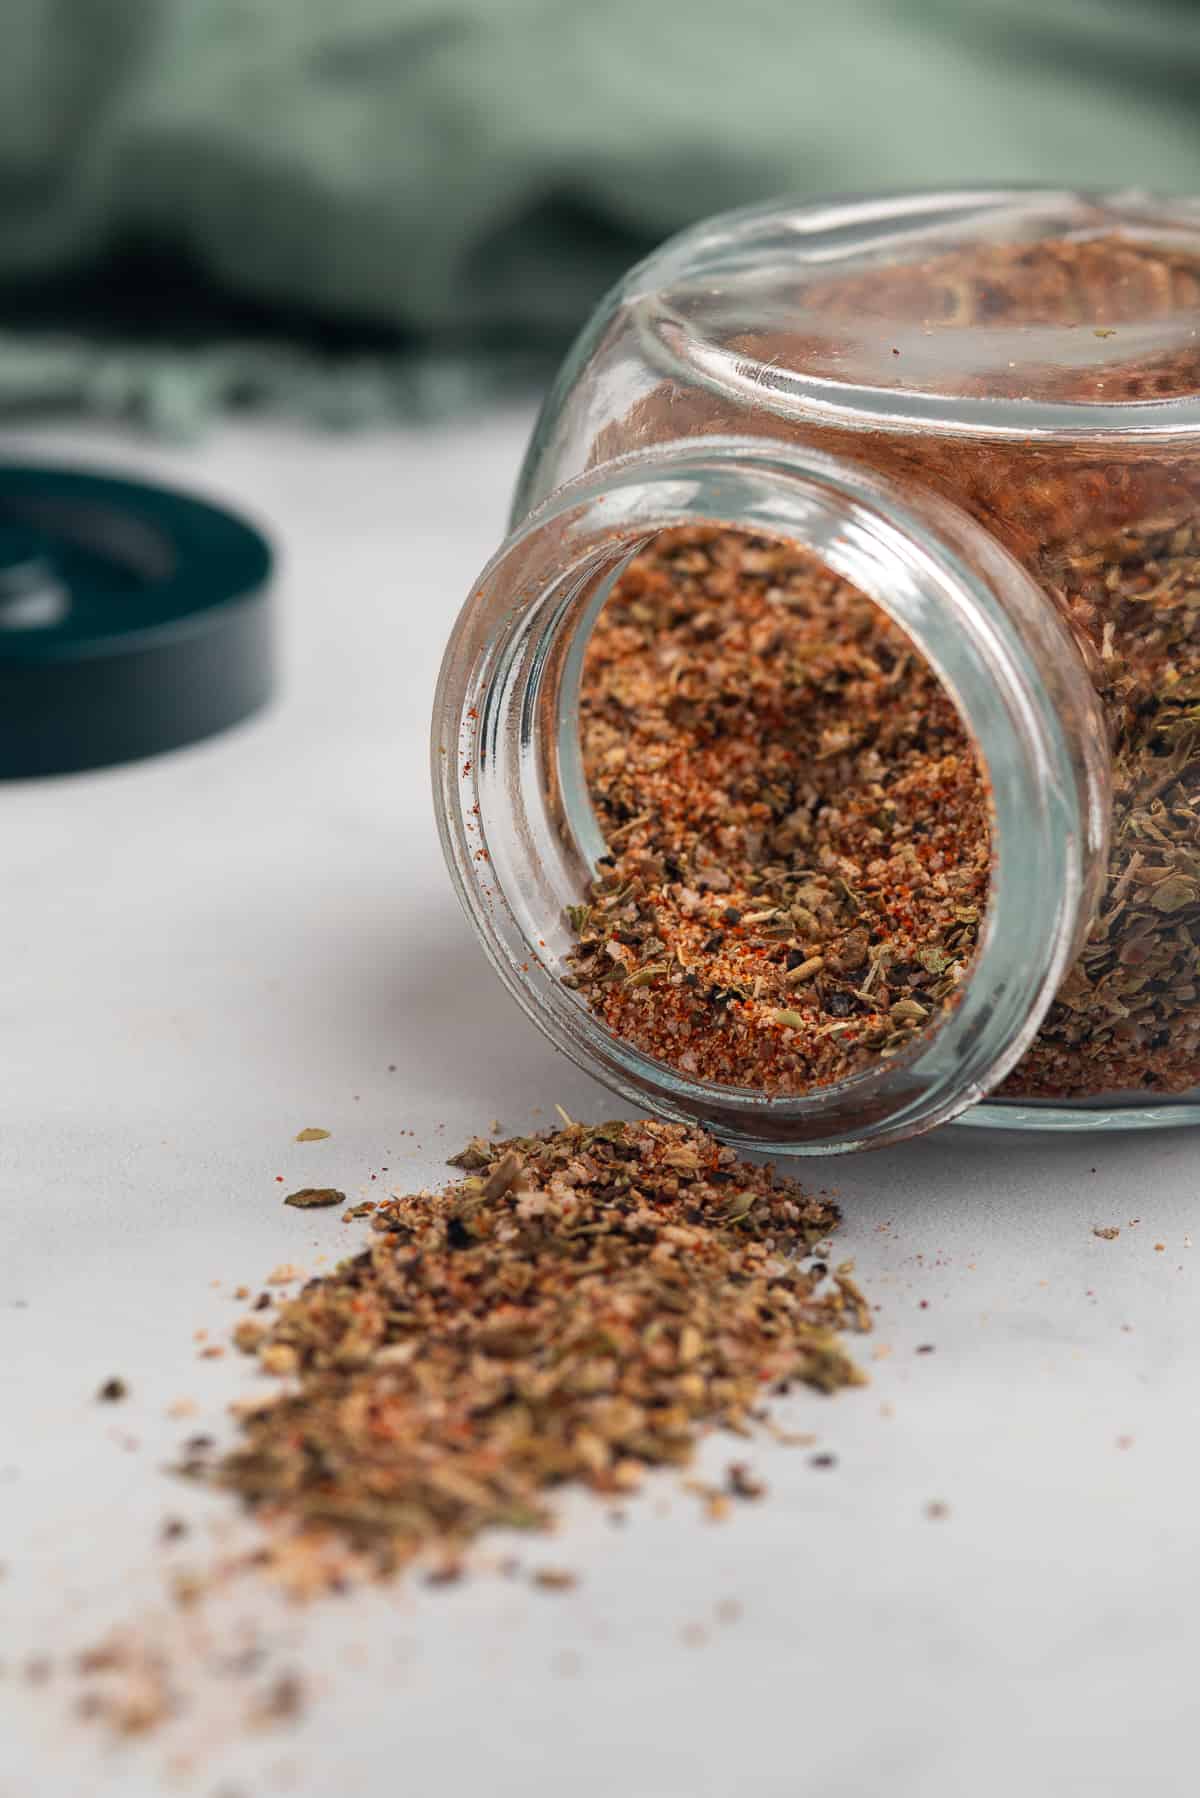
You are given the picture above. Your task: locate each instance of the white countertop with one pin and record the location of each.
(207, 952)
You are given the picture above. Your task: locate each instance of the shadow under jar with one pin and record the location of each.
(979, 413)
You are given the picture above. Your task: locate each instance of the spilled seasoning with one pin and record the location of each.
(580, 1306)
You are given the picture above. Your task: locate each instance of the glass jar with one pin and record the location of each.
(981, 410)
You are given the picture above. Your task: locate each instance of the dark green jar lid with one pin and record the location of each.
(133, 619)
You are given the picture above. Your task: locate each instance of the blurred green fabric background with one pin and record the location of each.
(363, 207)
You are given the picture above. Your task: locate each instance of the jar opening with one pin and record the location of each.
(788, 825)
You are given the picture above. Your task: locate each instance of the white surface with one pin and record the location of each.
(205, 953)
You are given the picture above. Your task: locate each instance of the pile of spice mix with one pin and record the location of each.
(797, 825)
(579, 1306)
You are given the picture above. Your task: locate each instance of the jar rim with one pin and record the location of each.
(508, 861)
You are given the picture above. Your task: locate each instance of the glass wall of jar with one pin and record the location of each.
(980, 412)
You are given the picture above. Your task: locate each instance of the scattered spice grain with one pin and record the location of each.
(132, 1691)
(112, 1391)
(448, 1574)
(314, 1198)
(742, 1483)
(312, 1134)
(248, 1333)
(282, 1702)
(555, 1579)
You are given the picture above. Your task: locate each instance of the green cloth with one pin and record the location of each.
(385, 205)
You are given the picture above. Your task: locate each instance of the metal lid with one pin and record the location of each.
(133, 619)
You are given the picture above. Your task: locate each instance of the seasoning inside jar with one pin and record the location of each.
(1110, 531)
(698, 736)
(797, 823)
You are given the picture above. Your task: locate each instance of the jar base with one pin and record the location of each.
(1118, 1112)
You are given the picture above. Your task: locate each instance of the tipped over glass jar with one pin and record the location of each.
(820, 755)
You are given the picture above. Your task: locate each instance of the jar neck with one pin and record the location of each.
(522, 841)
